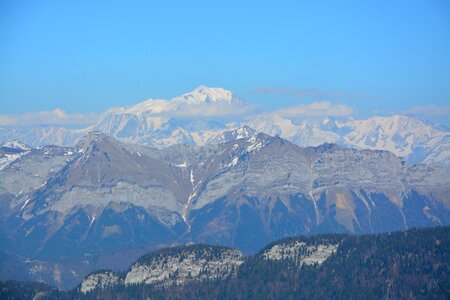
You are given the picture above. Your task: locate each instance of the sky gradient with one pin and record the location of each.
(378, 57)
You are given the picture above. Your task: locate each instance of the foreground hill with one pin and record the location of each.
(403, 265)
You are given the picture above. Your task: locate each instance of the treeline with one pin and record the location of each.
(403, 265)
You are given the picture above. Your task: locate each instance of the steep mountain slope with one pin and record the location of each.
(108, 193)
(25, 170)
(268, 187)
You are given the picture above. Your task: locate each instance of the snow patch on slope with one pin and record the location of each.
(7, 159)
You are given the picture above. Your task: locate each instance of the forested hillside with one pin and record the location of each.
(403, 265)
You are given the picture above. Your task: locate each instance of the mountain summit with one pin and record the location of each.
(201, 95)
(204, 94)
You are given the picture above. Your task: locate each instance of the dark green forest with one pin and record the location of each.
(402, 265)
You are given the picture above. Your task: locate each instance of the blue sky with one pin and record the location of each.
(377, 57)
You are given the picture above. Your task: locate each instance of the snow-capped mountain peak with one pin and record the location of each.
(204, 94)
(201, 95)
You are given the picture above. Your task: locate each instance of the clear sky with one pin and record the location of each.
(378, 57)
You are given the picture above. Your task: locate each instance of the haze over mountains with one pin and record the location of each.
(201, 116)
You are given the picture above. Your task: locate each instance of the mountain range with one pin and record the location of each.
(69, 210)
(199, 117)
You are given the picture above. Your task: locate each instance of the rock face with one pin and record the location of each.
(198, 263)
(182, 265)
(172, 266)
(104, 196)
(101, 279)
(269, 188)
(300, 252)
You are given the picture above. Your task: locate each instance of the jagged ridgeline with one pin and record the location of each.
(67, 211)
(157, 123)
(413, 264)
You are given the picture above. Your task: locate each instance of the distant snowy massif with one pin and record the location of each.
(161, 123)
